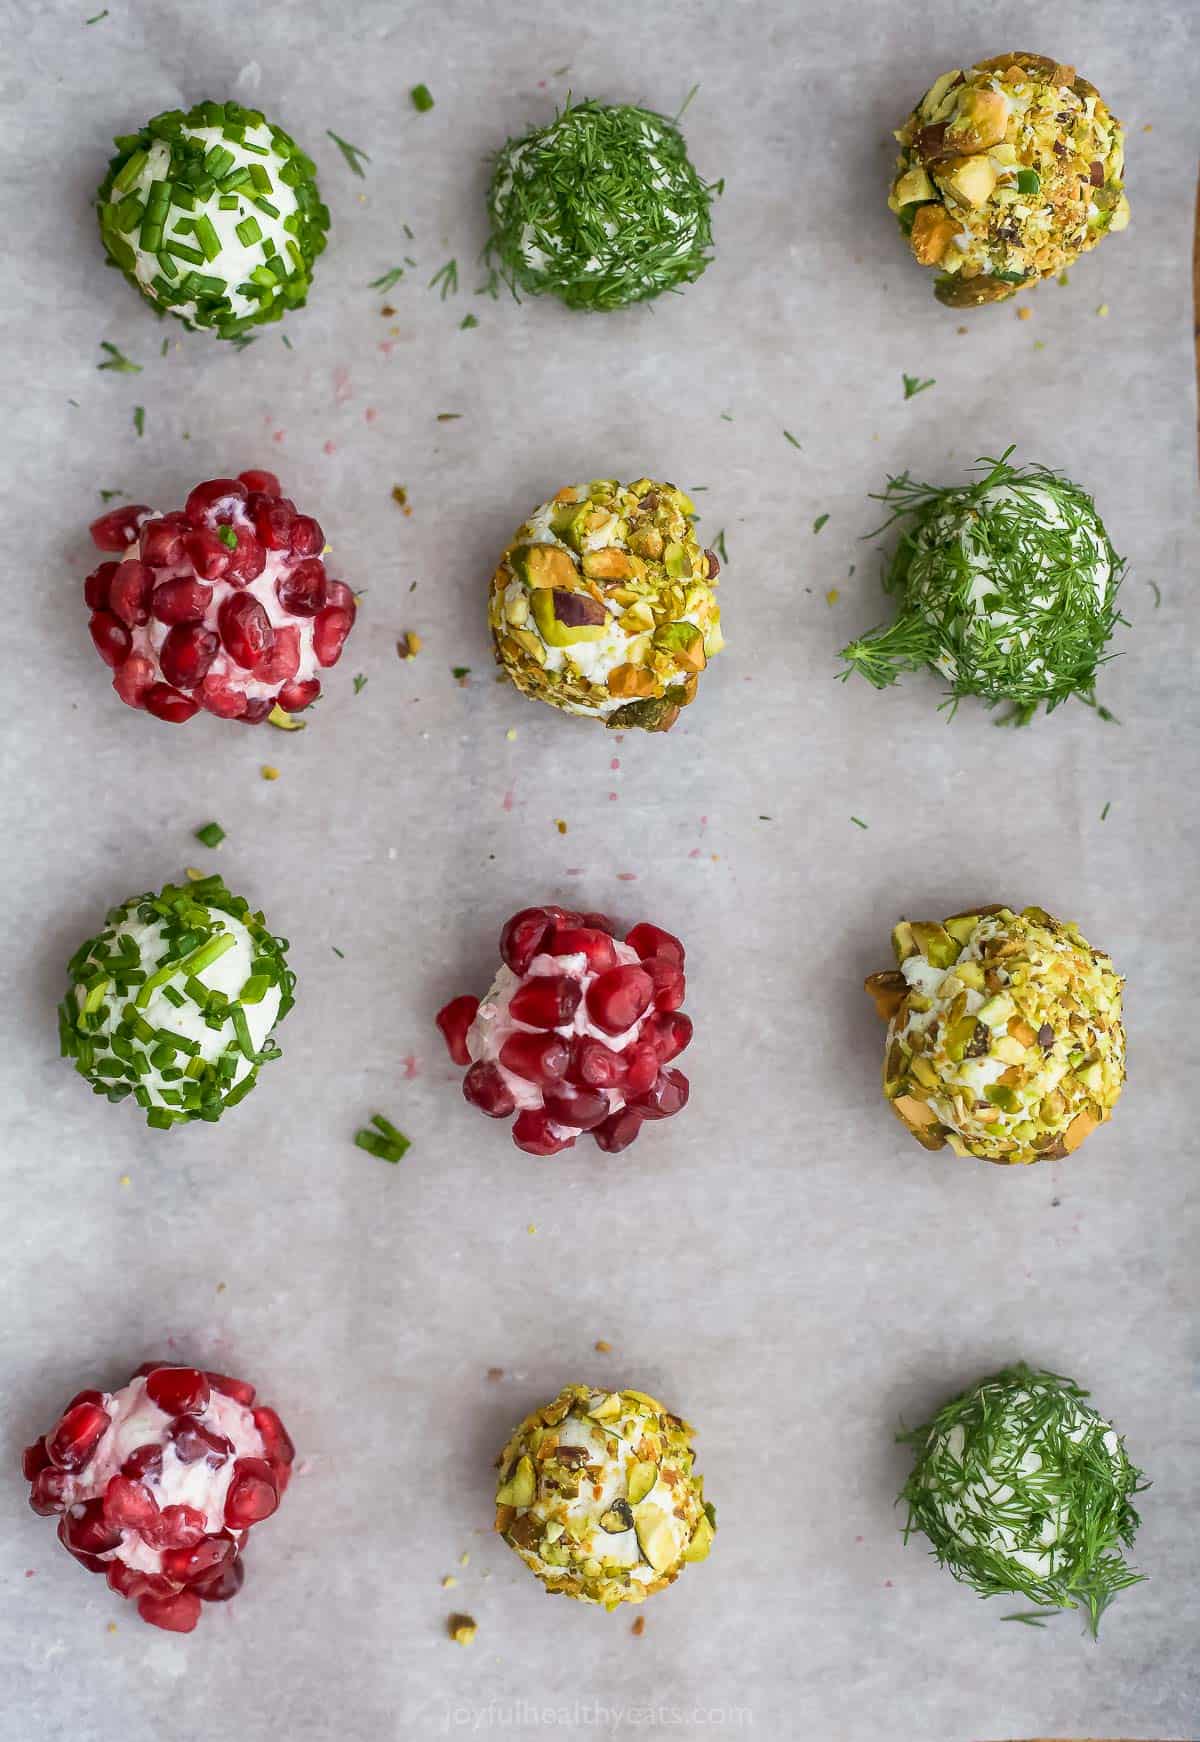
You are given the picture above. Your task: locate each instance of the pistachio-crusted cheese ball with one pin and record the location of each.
(1004, 1034)
(601, 208)
(603, 604)
(1007, 587)
(174, 1002)
(214, 215)
(598, 1497)
(1023, 1489)
(1007, 173)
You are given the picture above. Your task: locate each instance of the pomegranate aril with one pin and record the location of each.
(77, 1434)
(129, 593)
(179, 1527)
(144, 1463)
(168, 704)
(594, 1065)
(282, 663)
(670, 986)
(253, 1494)
(256, 710)
(47, 1491)
(223, 1584)
(305, 537)
(178, 1390)
(90, 1562)
(148, 1367)
(618, 1130)
(531, 1132)
(616, 999)
(186, 655)
(182, 1565)
(207, 504)
(129, 1505)
(193, 1441)
(524, 935)
(539, 1058)
(133, 678)
(246, 561)
(85, 1397)
(273, 522)
(650, 940)
(339, 594)
(181, 601)
(668, 1032)
(546, 1001)
(293, 698)
(238, 1389)
(208, 555)
(162, 541)
(33, 1459)
(582, 1109)
(641, 1067)
(223, 698)
(177, 1613)
(129, 1582)
(85, 1530)
(668, 1095)
(486, 1089)
(265, 482)
(277, 1443)
(304, 589)
(95, 588)
(117, 529)
(597, 946)
(110, 637)
(596, 922)
(245, 629)
(330, 629)
(454, 1019)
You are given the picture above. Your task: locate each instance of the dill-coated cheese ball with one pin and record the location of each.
(175, 1002)
(214, 215)
(1007, 173)
(603, 604)
(1004, 1034)
(598, 1496)
(1007, 587)
(1024, 1490)
(601, 208)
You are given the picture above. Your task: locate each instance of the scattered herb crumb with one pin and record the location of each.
(340, 954)
(139, 419)
(1102, 311)
(466, 323)
(1153, 585)
(914, 385)
(269, 771)
(118, 361)
(360, 682)
(107, 496)
(819, 522)
(1105, 811)
(859, 823)
(726, 417)
(96, 17)
(211, 835)
(460, 673)
(287, 341)
(1028, 1617)
(164, 347)
(719, 546)
(351, 153)
(243, 342)
(788, 436)
(448, 416)
(445, 279)
(409, 645)
(422, 99)
(386, 280)
(765, 819)
(385, 1141)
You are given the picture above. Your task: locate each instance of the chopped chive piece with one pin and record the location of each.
(914, 385)
(249, 230)
(212, 834)
(118, 361)
(388, 279)
(267, 207)
(351, 153)
(130, 171)
(139, 419)
(445, 279)
(385, 1141)
(422, 99)
(819, 522)
(207, 237)
(260, 178)
(182, 252)
(467, 322)
(859, 822)
(788, 436)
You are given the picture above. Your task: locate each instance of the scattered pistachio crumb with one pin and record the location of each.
(1039, 344)
(832, 596)
(126, 1179)
(560, 825)
(194, 874)
(409, 644)
(462, 1629)
(464, 1559)
(603, 1348)
(269, 772)
(111, 1628)
(449, 1582)
(532, 1228)
(511, 733)
(1024, 313)
(639, 1627)
(1102, 311)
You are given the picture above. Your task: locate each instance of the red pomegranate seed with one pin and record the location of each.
(148, 1367)
(95, 588)
(283, 661)
(539, 1058)
(193, 1441)
(110, 637)
(129, 593)
(182, 1565)
(330, 629)
(618, 1130)
(33, 1459)
(546, 1001)
(641, 1068)
(133, 678)
(86, 1530)
(178, 1390)
(225, 1583)
(616, 999)
(47, 1491)
(208, 555)
(582, 1109)
(339, 594)
(670, 987)
(265, 482)
(144, 1463)
(256, 710)
(597, 946)
(178, 1613)
(90, 1562)
(486, 1089)
(117, 529)
(208, 504)
(668, 1095)
(247, 561)
(531, 1132)
(78, 1433)
(223, 698)
(273, 522)
(668, 1033)
(168, 704)
(181, 601)
(129, 1582)
(650, 940)
(162, 541)
(128, 1505)
(305, 537)
(454, 1019)
(178, 1527)
(245, 629)
(253, 1494)
(594, 1065)
(277, 1443)
(235, 1388)
(186, 654)
(303, 589)
(524, 936)
(295, 697)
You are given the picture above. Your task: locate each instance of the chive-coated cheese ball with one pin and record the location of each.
(1024, 1490)
(214, 215)
(1008, 171)
(598, 1496)
(175, 1002)
(1004, 1034)
(603, 604)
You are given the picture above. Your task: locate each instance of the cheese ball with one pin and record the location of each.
(598, 1496)
(214, 216)
(1023, 1489)
(175, 1002)
(1008, 172)
(1004, 1034)
(602, 208)
(603, 604)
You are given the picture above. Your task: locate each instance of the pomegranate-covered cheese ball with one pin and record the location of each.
(577, 1032)
(598, 1496)
(175, 1001)
(214, 215)
(159, 1483)
(225, 605)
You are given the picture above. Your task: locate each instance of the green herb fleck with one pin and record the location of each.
(242, 342)
(445, 279)
(819, 522)
(385, 1141)
(340, 954)
(467, 322)
(788, 436)
(726, 418)
(360, 683)
(1157, 591)
(139, 419)
(96, 17)
(859, 822)
(1105, 811)
(459, 672)
(107, 495)
(719, 546)
(118, 361)
(228, 537)
(449, 416)
(914, 385)
(387, 279)
(287, 341)
(1028, 1617)
(211, 835)
(351, 153)
(684, 105)
(422, 98)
